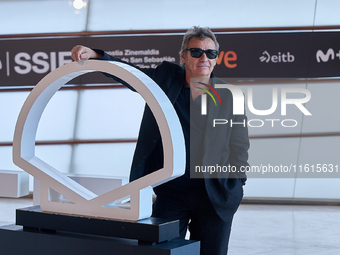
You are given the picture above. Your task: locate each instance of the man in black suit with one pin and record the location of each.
(204, 205)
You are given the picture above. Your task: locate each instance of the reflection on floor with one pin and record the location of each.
(286, 230)
(261, 229)
(8, 206)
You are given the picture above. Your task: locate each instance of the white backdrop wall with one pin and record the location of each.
(83, 114)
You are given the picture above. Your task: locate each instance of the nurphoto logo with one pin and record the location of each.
(239, 104)
(207, 91)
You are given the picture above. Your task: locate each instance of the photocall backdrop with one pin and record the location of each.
(25, 61)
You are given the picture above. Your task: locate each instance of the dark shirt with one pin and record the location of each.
(193, 136)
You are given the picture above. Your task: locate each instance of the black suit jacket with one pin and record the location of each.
(225, 193)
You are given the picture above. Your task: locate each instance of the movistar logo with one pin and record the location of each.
(209, 93)
(324, 57)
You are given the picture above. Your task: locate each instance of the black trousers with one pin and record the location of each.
(196, 213)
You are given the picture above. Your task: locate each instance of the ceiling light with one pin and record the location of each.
(78, 4)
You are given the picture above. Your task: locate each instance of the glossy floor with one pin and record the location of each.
(286, 230)
(261, 229)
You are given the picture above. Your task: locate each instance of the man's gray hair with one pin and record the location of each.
(200, 33)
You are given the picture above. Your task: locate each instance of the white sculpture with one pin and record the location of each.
(81, 200)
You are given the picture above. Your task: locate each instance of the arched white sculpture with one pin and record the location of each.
(82, 200)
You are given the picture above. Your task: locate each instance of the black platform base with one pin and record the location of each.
(150, 230)
(41, 233)
(15, 241)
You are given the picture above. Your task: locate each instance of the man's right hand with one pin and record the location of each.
(80, 53)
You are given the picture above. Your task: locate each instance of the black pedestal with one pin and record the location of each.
(150, 230)
(44, 233)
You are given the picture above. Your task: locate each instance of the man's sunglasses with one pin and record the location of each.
(197, 53)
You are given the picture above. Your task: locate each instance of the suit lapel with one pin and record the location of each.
(175, 88)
